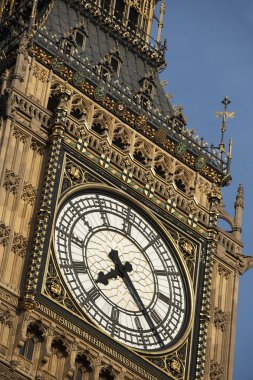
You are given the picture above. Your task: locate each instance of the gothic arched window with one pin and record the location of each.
(80, 39)
(107, 373)
(34, 335)
(115, 64)
(144, 102)
(83, 365)
(119, 11)
(133, 19)
(106, 5)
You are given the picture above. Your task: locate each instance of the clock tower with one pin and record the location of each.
(112, 262)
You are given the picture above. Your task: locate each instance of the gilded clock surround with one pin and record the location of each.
(54, 287)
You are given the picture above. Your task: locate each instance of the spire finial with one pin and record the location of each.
(240, 197)
(225, 115)
(160, 23)
(239, 204)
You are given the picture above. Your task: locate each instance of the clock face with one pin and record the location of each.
(120, 270)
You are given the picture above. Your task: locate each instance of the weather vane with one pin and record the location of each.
(225, 115)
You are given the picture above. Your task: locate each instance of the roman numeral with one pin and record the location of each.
(152, 242)
(156, 317)
(79, 267)
(115, 315)
(76, 241)
(92, 295)
(161, 272)
(79, 211)
(114, 320)
(138, 323)
(164, 298)
(127, 227)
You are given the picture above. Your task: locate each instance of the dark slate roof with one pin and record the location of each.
(62, 18)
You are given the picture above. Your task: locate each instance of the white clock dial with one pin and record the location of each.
(120, 270)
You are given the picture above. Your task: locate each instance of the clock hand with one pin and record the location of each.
(119, 270)
(104, 278)
(130, 286)
(114, 256)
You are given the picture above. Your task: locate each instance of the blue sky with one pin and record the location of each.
(210, 55)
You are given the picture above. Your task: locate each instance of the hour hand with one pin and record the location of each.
(122, 269)
(114, 256)
(119, 270)
(104, 278)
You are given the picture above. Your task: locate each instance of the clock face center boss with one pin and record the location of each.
(121, 270)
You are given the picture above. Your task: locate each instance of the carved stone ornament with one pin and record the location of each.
(192, 220)
(19, 245)
(215, 196)
(11, 182)
(149, 190)
(216, 371)
(220, 319)
(170, 193)
(191, 208)
(6, 317)
(244, 263)
(29, 193)
(23, 44)
(4, 234)
(171, 206)
(223, 272)
(37, 147)
(97, 361)
(82, 145)
(20, 135)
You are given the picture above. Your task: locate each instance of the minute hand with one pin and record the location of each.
(132, 290)
(113, 255)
